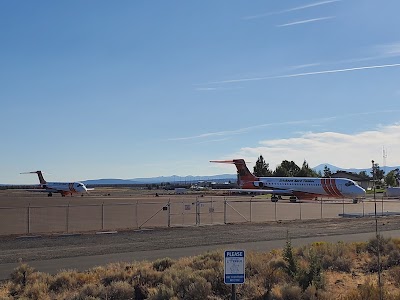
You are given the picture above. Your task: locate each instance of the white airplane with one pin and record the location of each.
(296, 187)
(64, 188)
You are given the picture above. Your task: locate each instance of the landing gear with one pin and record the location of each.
(49, 195)
(293, 199)
(274, 198)
(62, 195)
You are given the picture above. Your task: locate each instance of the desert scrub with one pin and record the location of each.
(162, 264)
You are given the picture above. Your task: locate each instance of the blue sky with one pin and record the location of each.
(125, 89)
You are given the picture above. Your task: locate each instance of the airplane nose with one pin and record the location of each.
(360, 192)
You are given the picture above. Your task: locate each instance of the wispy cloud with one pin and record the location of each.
(207, 89)
(288, 123)
(305, 21)
(234, 132)
(343, 150)
(307, 73)
(290, 9)
(389, 50)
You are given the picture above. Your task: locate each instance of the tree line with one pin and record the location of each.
(291, 169)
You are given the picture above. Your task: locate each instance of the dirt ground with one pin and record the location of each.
(61, 245)
(13, 249)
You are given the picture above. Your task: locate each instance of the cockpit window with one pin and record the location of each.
(80, 184)
(349, 183)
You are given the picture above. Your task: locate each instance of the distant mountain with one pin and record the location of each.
(353, 170)
(157, 180)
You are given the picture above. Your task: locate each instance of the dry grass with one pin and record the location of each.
(323, 271)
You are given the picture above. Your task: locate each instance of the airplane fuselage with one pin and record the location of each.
(307, 186)
(65, 188)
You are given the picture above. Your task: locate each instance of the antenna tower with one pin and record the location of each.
(384, 152)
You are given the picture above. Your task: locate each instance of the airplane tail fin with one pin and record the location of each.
(40, 175)
(244, 175)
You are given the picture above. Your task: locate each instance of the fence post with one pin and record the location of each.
(275, 209)
(136, 214)
(363, 207)
(224, 210)
(183, 212)
(29, 218)
(251, 209)
(300, 209)
(102, 216)
(169, 212)
(212, 211)
(321, 207)
(343, 207)
(197, 211)
(67, 217)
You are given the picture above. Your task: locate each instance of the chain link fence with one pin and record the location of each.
(179, 212)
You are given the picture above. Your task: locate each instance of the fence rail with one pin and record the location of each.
(186, 212)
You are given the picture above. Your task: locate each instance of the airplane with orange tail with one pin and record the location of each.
(296, 187)
(64, 188)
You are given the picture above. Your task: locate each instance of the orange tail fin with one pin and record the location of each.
(244, 175)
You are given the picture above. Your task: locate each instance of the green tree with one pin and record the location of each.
(261, 169)
(287, 167)
(306, 171)
(281, 172)
(364, 175)
(327, 172)
(391, 179)
(379, 174)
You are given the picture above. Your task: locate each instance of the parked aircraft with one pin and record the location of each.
(64, 188)
(296, 187)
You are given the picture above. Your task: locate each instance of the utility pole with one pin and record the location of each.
(377, 235)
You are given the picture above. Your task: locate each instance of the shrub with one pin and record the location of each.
(393, 258)
(394, 273)
(162, 264)
(366, 291)
(162, 293)
(291, 292)
(37, 291)
(63, 281)
(198, 290)
(91, 290)
(119, 290)
(21, 274)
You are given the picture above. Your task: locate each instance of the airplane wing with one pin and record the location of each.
(42, 190)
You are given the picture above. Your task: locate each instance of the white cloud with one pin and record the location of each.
(389, 50)
(304, 21)
(343, 150)
(315, 122)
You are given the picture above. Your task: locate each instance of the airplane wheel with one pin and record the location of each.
(49, 195)
(62, 195)
(274, 199)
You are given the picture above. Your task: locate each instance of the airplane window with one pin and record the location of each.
(349, 183)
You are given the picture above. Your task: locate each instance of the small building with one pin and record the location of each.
(361, 181)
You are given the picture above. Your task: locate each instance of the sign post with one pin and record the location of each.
(234, 269)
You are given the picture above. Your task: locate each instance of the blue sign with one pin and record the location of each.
(234, 266)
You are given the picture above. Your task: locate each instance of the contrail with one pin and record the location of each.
(307, 74)
(290, 9)
(304, 21)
